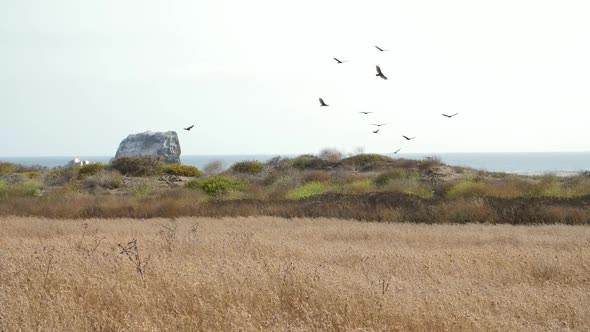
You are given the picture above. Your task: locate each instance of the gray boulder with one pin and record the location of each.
(162, 144)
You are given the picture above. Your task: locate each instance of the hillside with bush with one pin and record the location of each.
(364, 186)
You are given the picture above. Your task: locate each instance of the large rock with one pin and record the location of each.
(164, 145)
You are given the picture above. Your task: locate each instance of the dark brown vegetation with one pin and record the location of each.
(364, 187)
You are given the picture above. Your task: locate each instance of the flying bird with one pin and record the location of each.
(408, 138)
(189, 128)
(380, 49)
(378, 124)
(380, 73)
(376, 131)
(396, 151)
(365, 113)
(340, 61)
(449, 116)
(322, 103)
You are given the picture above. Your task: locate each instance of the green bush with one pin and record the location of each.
(550, 186)
(32, 175)
(248, 167)
(388, 176)
(8, 168)
(365, 160)
(28, 188)
(506, 188)
(355, 187)
(90, 169)
(308, 161)
(307, 190)
(138, 166)
(142, 189)
(3, 188)
(182, 170)
(217, 186)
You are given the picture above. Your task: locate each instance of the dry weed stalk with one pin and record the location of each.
(50, 252)
(131, 250)
(96, 241)
(168, 233)
(193, 231)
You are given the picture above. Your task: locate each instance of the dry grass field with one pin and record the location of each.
(301, 274)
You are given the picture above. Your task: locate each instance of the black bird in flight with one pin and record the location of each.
(408, 138)
(188, 128)
(380, 74)
(340, 61)
(378, 124)
(380, 49)
(376, 131)
(365, 113)
(322, 103)
(396, 151)
(449, 116)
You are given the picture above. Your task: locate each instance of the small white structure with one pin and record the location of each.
(77, 162)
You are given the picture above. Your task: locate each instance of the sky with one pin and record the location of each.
(77, 77)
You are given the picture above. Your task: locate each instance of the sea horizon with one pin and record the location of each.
(531, 163)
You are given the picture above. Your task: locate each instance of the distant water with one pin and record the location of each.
(561, 163)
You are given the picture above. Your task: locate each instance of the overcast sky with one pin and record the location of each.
(76, 77)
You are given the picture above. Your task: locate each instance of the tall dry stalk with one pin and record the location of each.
(131, 250)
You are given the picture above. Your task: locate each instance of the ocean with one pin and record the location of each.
(532, 163)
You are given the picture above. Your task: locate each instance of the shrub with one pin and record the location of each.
(142, 190)
(61, 176)
(279, 163)
(581, 186)
(138, 166)
(105, 180)
(182, 170)
(388, 176)
(32, 175)
(308, 161)
(217, 186)
(307, 190)
(550, 186)
(8, 168)
(90, 169)
(409, 186)
(331, 155)
(13, 178)
(365, 161)
(28, 188)
(564, 215)
(316, 176)
(3, 188)
(213, 167)
(504, 188)
(16, 168)
(430, 162)
(248, 167)
(356, 187)
(465, 211)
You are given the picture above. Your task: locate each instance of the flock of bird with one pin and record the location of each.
(378, 125)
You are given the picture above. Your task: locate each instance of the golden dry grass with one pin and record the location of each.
(299, 275)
